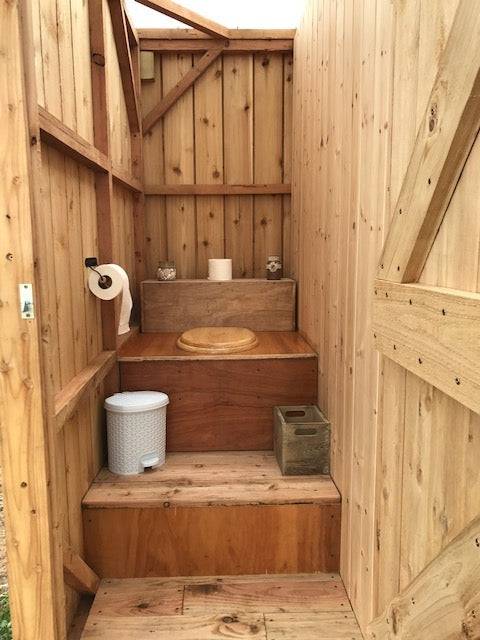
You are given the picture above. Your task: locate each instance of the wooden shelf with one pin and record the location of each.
(211, 479)
(163, 346)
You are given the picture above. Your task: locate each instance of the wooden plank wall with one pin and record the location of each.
(232, 127)
(71, 321)
(403, 453)
(433, 473)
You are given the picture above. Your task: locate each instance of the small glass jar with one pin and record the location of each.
(274, 268)
(166, 270)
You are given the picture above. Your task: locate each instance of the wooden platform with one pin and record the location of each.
(296, 607)
(278, 345)
(212, 513)
(257, 304)
(223, 402)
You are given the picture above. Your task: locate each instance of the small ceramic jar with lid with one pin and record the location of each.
(166, 270)
(274, 268)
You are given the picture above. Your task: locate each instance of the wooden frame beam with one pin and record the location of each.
(67, 400)
(231, 47)
(443, 600)
(120, 34)
(58, 135)
(78, 574)
(433, 332)
(217, 189)
(54, 133)
(133, 37)
(444, 140)
(126, 180)
(235, 34)
(182, 14)
(32, 540)
(181, 87)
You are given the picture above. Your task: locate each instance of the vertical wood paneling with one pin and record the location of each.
(238, 108)
(342, 88)
(120, 151)
(209, 137)
(403, 452)
(208, 124)
(62, 57)
(66, 232)
(268, 157)
(178, 146)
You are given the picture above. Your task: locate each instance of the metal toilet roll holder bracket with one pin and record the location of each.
(104, 282)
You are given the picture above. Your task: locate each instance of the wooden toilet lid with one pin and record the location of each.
(217, 340)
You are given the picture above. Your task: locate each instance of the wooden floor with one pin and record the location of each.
(163, 346)
(294, 607)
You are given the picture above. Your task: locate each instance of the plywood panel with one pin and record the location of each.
(229, 402)
(212, 540)
(259, 305)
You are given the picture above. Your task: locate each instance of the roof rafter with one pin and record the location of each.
(182, 14)
(120, 33)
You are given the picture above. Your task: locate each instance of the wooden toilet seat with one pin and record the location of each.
(217, 340)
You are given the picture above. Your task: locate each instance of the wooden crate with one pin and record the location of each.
(301, 440)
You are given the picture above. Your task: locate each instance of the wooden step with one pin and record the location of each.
(295, 607)
(211, 513)
(222, 402)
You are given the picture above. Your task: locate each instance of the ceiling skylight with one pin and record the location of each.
(234, 14)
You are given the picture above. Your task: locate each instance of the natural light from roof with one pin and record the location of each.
(234, 14)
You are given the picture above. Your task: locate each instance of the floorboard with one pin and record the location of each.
(271, 607)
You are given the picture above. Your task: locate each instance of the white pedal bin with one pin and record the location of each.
(136, 429)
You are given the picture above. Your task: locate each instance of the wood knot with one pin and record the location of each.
(433, 119)
(98, 59)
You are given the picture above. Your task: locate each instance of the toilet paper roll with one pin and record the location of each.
(220, 269)
(117, 283)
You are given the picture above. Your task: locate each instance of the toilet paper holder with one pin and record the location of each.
(104, 282)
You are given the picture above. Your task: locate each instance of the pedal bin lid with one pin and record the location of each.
(136, 401)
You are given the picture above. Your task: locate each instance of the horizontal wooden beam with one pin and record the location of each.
(433, 332)
(182, 14)
(217, 189)
(443, 600)
(58, 135)
(231, 47)
(235, 34)
(54, 133)
(180, 88)
(126, 180)
(122, 45)
(447, 132)
(78, 574)
(67, 400)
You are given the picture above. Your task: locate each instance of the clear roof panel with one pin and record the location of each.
(234, 14)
